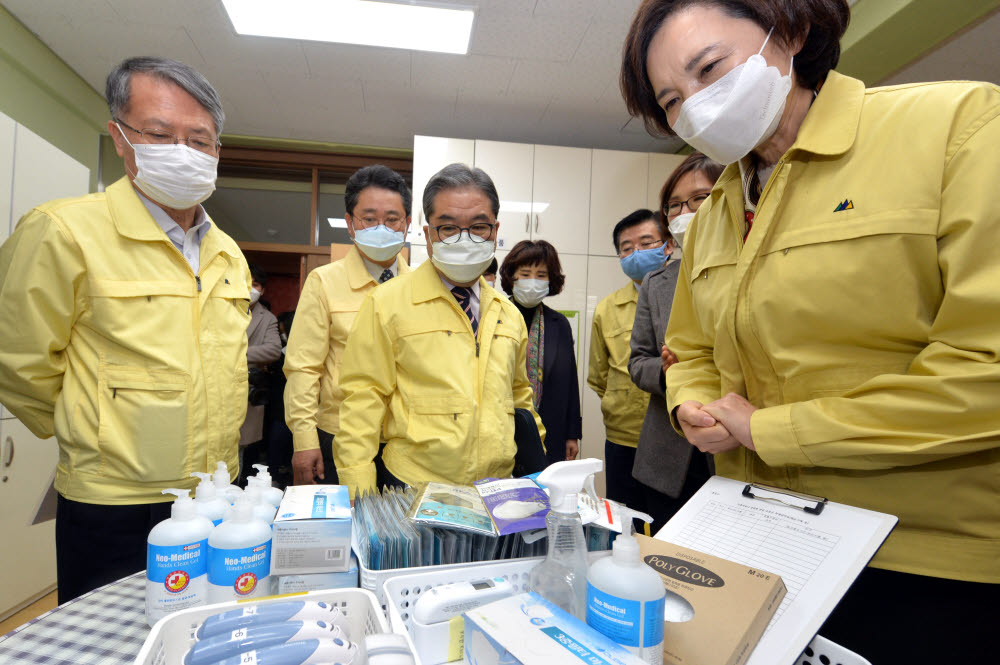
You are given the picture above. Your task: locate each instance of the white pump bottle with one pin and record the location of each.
(625, 597)
(207, 502)
(271, 494)
(562, 577)
(239, 556)
(222, 486)
(177, 560)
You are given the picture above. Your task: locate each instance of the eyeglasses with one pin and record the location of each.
(451, 233)
(160, 137)
(394, 223)
(646, 244)
(693, 203)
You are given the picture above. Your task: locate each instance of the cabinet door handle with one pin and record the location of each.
(8, 457)
(527, 221)
(538, 218)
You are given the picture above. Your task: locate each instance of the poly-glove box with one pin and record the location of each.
(312, 531)
(529, 630)
(320, 581)
(716, 610)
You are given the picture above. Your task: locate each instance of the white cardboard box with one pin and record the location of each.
(312, 531)
(320, 581)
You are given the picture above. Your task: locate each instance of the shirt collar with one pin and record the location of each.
(831, 125)
(375, 270)
(173, 230)
(448, 285)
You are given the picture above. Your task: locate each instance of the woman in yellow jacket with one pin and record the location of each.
(835, 318)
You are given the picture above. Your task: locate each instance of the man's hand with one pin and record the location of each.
(734, 412)
(702, 429)
(307, 465)
(572, 449)
(667, 357)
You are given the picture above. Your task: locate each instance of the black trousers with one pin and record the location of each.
(661, 507)
(98, 544)
(890, 617)
(382, 475)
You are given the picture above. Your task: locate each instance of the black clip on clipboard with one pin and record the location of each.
(807, 502)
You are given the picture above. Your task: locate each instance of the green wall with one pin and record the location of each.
(41, 92)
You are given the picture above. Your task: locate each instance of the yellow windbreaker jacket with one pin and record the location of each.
(330, 300)
(445, 398)
(861, 317)
(622, 402)
(109, 341)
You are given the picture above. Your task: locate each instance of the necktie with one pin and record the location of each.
(385, 276)
(463, 295)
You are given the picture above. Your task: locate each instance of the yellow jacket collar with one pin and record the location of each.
(831, 125)
(427, 285)
(132, 220)
(627, 294)
(357, 272)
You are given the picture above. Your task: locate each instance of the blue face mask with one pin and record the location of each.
(378, 243)
(642, 261)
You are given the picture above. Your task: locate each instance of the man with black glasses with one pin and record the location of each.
(435, 364)
(378, 204)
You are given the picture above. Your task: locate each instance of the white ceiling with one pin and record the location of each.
(538, 71)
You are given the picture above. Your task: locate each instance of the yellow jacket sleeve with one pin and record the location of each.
(599, 363)
(305, 357)
(41, 271)
(694, 376)
(946, 403)
(367, 379)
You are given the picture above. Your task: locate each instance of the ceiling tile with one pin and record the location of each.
(530, 38)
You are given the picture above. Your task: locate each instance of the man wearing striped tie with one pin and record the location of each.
(378, 215)
(435, 365)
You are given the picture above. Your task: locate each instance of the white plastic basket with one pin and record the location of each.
(174, 634)
(402, 590)
(822, 651)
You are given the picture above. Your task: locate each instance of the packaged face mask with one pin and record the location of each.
(735, 114)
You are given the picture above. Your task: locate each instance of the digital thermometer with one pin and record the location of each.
(450, 600)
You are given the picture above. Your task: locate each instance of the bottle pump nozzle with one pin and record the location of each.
(183, 507)
(565, 480)
(205, 489)
(221, 475)
(263, 473)
(625, 547)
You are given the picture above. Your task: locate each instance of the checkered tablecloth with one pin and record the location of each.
(104, 627)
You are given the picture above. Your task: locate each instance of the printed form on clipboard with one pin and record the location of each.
(818, 547)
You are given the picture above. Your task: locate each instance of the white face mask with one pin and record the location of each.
(254, 296)
(464, 261)
(173, 175)
(678, 226)
(379, 243)
(529, 292)
(738, 112)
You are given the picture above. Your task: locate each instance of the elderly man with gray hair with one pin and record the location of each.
(123, 319)
(435, 364)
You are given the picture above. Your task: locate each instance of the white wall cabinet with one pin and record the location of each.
(560, 205)
(32, 171)
(617, 187)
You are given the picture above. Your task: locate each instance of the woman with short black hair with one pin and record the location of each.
(835, 318)
(531, 272)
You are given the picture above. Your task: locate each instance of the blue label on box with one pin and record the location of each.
(175, 566)
(574, 647)
(241, 568)
(621, 619)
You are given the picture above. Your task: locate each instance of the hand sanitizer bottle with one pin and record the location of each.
(177, 560)
(239, 556)
(562, 577)
(625, 597)
(271, 494)
(222, 487)
(206, 502)
(261, 508)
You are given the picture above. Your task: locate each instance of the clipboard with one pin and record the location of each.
(817, 546)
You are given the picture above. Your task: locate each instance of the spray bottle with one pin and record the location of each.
(625, 597)
(562, 577)
(271, 494)
(239, 556)
(222, 487)
(177, 560)
(207, 502)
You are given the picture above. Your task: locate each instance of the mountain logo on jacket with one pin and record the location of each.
(846, 205)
